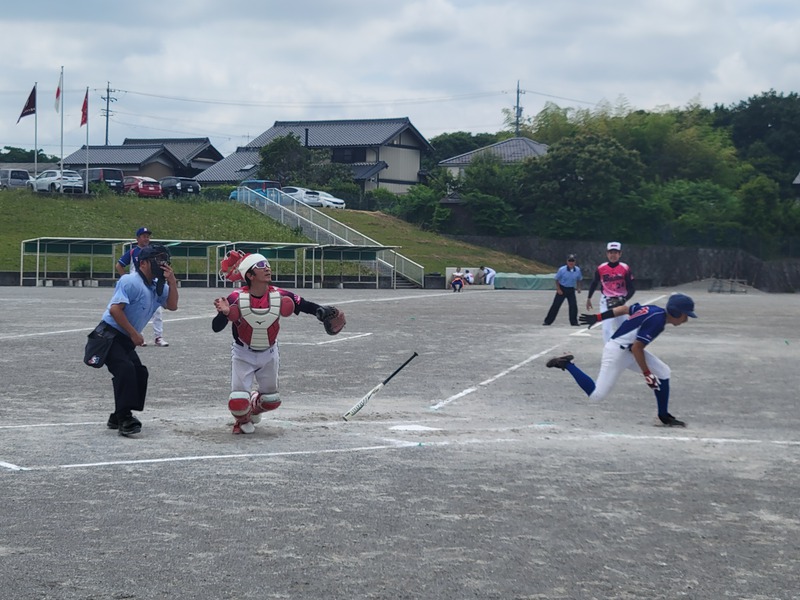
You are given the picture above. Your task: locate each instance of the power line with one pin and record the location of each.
(326, 104)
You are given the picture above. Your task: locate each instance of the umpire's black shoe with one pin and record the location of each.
(669, 421)
(129, 425)
(560, 362)
(113, 421)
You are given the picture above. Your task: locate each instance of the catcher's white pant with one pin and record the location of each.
(248, 366)
(615, 360)
(609, 325)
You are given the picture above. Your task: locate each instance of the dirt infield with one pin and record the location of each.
(476, 473)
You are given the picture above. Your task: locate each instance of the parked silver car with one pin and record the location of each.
(329, 201)
(306, 196)
(56, 181)
(14, 178)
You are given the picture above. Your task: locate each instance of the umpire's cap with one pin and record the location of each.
(681, 304)
(157, 251)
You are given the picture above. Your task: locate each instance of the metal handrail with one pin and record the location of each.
(323, 229)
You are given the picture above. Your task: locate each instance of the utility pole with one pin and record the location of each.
(518, 110)
(109, 99)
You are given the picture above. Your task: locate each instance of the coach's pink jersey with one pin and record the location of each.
(613, 279)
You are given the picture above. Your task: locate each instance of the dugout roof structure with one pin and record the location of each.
(101, 254)
(94, 258)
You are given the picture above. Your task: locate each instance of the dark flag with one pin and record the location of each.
(85, 109)
(30, 105)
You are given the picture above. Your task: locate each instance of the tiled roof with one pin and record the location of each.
(508, 151)
(341, 134)
(362, 171)
(231, 168)
(121, 156)
(29, 167)
(184, 149)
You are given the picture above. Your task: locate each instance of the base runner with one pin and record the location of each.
(627, 350)
(255, 311)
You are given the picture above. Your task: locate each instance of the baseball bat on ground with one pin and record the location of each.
(361, 403)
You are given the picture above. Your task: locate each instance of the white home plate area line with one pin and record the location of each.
(397, 444)
(486, 382)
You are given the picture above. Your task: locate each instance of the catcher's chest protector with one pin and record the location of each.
(260, 320)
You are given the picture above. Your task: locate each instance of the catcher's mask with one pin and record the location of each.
(158, 256)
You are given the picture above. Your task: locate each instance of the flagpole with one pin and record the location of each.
(85, 114)
(35, 131)
(61, 101)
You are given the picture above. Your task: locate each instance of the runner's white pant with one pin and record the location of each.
(248, 366)
(615, 360)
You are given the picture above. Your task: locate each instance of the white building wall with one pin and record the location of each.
(403, 163)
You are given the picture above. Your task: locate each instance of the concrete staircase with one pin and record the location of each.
(404, 272)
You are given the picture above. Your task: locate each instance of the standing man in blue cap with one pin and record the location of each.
(128, 263)
(568, 282)
(627, 350)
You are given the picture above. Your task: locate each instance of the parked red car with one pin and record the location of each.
(142, 186)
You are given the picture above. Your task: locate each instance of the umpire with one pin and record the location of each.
(568, 281)
(137, 296)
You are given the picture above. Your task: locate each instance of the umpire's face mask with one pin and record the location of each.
(158, 273)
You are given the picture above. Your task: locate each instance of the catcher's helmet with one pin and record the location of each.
(249, 261)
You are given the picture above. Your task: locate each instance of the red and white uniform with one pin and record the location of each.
(255, 322)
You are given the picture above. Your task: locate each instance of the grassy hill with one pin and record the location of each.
(27, 215)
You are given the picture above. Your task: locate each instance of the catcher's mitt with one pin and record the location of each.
(332, 318)
(614, 301)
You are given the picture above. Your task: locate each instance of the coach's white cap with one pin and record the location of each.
(614, 246)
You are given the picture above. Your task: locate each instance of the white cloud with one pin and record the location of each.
(229, 70)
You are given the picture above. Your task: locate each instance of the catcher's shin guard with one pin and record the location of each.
(261, 403)
(239, 405)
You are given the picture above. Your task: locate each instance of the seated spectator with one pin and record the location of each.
(457, 280)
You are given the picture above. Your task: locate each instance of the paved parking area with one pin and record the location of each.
(476, 473)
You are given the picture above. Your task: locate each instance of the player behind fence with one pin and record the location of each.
(255, 311)
(627, 350)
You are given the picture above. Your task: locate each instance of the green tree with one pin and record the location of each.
(10, 154)
(284, 159)
(448, 145)
(763, 125)
(581, 188)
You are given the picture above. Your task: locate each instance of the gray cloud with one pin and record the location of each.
(229, 70)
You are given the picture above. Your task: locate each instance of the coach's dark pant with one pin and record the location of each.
(129, 376)
(569, 296)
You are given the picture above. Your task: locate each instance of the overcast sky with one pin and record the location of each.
(228, 70)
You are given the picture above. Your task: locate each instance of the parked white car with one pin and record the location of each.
(304, 195)
(56, 181)
(329, 201)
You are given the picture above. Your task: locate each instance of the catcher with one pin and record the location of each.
(255, 311)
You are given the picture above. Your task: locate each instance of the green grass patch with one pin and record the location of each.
(27, 215)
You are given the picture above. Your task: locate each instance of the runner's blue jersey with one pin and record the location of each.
(644, 323)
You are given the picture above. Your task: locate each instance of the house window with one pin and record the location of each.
(349, 155)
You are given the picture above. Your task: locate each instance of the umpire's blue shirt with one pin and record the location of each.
(567, 277)
(140, 300)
